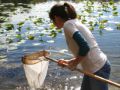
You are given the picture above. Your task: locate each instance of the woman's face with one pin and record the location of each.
(58, 22)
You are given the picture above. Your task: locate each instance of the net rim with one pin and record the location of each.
(33, 58)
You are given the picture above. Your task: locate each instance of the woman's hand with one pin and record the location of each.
(63, 63)
(71, 64)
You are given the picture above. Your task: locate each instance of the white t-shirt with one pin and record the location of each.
(95, 59)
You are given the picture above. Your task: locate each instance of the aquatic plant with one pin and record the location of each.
(31, 37)
(3, 19)
(9, 26)
(91, 15)
(38, 21)
(118, 26)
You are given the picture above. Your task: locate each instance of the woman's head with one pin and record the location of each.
(61, 13)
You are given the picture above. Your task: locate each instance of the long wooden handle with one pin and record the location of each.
(98, 78)
(90, 74)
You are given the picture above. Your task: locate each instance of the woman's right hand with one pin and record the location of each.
(71, 64)
(62, 63)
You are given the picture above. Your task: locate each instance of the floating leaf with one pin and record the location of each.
(103, 21)
(105, 10)
(38, 21)
(115, 13)
(52, 26)
(89, 10)
(59, 30)
(3, 19)
(31, 37)
(118, 26)
(101, 26)
(20, 24)
(83, 21)
(53, 34)
(91, 28)
(114, 8)
(91, 23)
(100, 14)
(42, 34)
(19, 36)
(28, 28)
(9, 26)
(111, 2)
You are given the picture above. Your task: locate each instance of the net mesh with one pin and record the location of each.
(35, 67)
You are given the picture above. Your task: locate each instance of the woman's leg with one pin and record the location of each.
(85, 83)
(93, 84)
(103, 72)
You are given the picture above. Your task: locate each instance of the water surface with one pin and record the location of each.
(11, 70)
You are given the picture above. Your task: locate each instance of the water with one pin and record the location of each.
(12, 75)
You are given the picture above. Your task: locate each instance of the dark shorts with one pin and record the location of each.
(93, 84)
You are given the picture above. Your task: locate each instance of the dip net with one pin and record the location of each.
(35, 67)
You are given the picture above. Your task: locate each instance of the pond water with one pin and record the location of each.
(12, 76)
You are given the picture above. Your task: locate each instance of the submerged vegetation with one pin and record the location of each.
(90, 14)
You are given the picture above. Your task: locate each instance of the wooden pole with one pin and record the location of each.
(90, 75)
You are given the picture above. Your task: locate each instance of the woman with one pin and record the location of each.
(83, 45)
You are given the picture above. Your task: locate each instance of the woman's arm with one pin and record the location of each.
(83, 45)
(72, 63)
